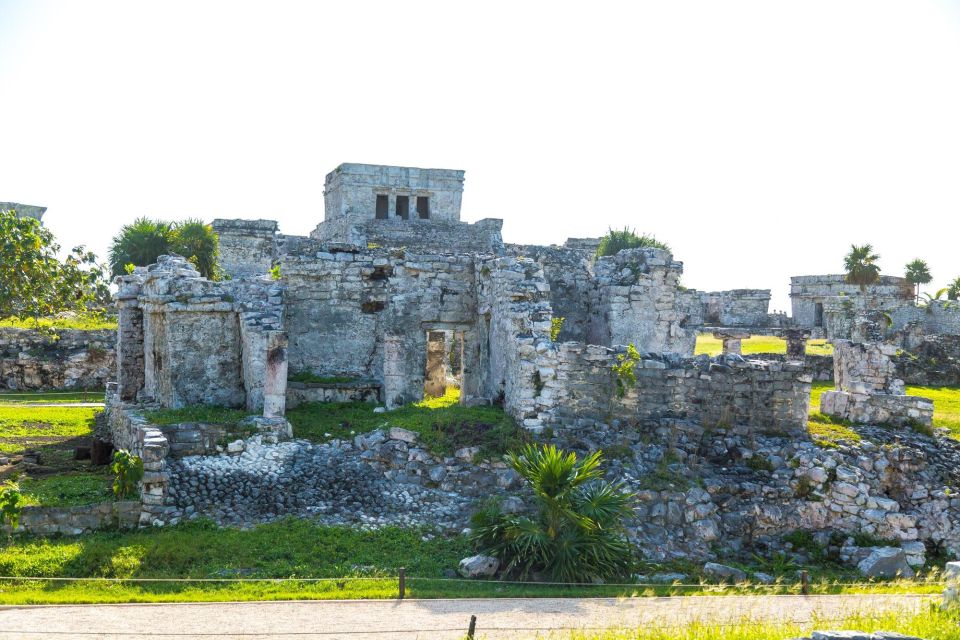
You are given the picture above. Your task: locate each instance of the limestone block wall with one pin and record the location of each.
(426, 236)
(72, 359)
(939, 317)
(736, 308)
(638, 301)
(807, 292)
(74, 521)
(351, 190)
(771, 397)
(247, 247)
(354, 391)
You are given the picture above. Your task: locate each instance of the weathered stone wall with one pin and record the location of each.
(817, 367)
(639, 301)
(932, 361)
(72, 359)
(24, 210)
(868, 391)
(247, 247)
(185, 340)
(74, 521)
(351, 190)
(736, 308)
(353, 391)
(443, 236)
(771, 397)
(833, 292)
(939, 317)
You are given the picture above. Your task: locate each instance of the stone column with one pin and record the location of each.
(130, 355)
(393, 384)
(796, 342)
(731, 340)
(275, 375)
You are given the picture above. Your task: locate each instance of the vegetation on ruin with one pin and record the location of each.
(930, 624)
(442, 424)
(917, 272)
(953, 289)
(618, 239)
(142, 241)
(623, 370)
(578, 532)
(860, 266)
(208, 414)
(707, 344)
(35, 283)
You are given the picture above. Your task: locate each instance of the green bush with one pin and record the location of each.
(577, 533)
(626, 238)
(128, 471)
(144, 240)
(11, 504)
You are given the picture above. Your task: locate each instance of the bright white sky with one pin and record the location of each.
(758, 138)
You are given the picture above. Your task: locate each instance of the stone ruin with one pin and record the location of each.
(867, 391)
(24, 210)
(393, 298)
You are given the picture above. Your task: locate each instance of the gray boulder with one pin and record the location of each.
(886, 562)
(723, 572)
(479, 567)
(951, 572)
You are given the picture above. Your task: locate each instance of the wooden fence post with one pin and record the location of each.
(472, 629)
(403, 582)
(805, 583)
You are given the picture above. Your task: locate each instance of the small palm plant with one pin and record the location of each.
(918, 273)
(861, 266)
(626, 238)
(953, 290)
(577, 533)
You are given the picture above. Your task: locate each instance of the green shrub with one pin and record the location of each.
(626, 238)
(556, 326)
(11, 504)
(128, 472)
(623, 369)
(577, 533)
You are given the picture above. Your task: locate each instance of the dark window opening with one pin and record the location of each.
(818, 314)
(383, 207)
(423, 207)
(403, 207)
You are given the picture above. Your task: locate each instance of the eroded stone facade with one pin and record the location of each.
(70, 359)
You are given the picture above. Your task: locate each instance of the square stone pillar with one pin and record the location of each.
(796, 342)
(731, 340)
(275, 375)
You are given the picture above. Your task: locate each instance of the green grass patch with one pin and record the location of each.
(200, 413)
(443, 424)
(49, 397)
(707, 344)
(70, 489)
(309, 376)
(946, 406)
(27, 427)
(73, 322)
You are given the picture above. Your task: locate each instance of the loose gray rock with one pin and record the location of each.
(886, 562)
(723, 572)
(478, 567)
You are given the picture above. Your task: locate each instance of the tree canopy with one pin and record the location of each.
(141, 242)
(36, 283)
(918, 273)
(953, 290)
(617, 240)
(861, 266)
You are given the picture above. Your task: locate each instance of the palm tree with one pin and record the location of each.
(196, 241)
(139, 244)
(953, 290)
(861, 266)
(576, 533)
(918, 272)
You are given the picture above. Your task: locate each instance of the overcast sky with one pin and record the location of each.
(759, 139)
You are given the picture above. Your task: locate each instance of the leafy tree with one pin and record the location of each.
(11, 504)
(144, 240)
(918, 273)
(861, 266)
(577, 533)
(953, 291)
(617, 240)
(35, 283)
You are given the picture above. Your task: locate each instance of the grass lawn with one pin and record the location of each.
(73, 322)
(286, 555)
(52, 397)
(443, 424)
(711, 346)
(930, 625)
(53, 432)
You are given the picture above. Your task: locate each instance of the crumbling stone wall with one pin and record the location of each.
(424, 236)
(71, 359)
(867, 390)
(737, 308)
(811, 297)
(931, 361)
(247, 247)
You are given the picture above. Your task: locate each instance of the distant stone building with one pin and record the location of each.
(817, 300)
(24, 210)
(739, 308)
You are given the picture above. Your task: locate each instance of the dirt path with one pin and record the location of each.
(427, 619)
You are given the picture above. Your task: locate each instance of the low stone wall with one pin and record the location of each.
(353, 391)
(73, 359)
(201, 438)
(482, 236)
(819, 368)
(878, 408)
(725, 391)
(931, 361)
(73, 521)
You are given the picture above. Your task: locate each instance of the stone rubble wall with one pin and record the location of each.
(939, 317)
(639, 301)
(74, 521)
(770, 397)
(426, 236)
(819, 368)
(833, 292)
(31, 360)
(867, 391)
(930, 361)
(355, 391)
(247, 247)
(737, 308)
